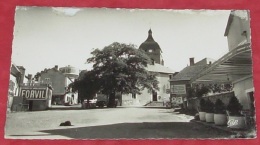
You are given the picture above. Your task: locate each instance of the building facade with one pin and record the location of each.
(154, 51)
(181, 83)
(59, 79)
(236, 65)
(17, 77)
(238, 34)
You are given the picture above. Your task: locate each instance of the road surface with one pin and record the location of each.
(107, 123)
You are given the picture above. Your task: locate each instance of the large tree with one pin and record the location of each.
(87, 85)
(122, 68)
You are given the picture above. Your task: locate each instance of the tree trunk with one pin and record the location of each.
(81, 98)
(111, 100)
(120, 99)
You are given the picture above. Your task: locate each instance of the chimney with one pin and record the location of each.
(56, 67)
(22, 70)
(191, 61)
(29, 77)
(162, 63)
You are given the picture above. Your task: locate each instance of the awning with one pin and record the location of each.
(236, 64)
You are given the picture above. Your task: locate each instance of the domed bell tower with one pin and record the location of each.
(152, 49)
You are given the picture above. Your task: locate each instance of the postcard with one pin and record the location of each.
(117, 73)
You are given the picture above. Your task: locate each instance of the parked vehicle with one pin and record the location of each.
(102, 100)
(91, 104)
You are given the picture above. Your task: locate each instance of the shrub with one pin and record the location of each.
(219, 107)
(202, 105)
(209, 106)
(197, 117)
(234, 107)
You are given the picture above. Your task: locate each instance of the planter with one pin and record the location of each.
(236, 122)
(220, 119)
(202, 116)
(209, 117)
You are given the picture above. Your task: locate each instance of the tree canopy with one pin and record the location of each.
(198, 90)
(87, 85)
(120, 68)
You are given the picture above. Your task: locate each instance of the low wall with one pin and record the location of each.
(17, 104)
(127, 102)
(134, 102)
(193, 104)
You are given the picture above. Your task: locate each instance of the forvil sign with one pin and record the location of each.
(33, 94)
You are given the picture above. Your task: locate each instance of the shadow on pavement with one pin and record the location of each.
(186, 112)
(154, 107)
(60, 107)
(143, 130)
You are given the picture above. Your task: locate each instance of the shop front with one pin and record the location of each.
(36, 98)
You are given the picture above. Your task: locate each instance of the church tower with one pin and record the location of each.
(152, 49)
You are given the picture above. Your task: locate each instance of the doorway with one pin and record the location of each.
(30, 105)
(154, 96)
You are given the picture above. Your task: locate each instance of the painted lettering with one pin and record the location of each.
(32, 94)
(27, 94)
(43, 94)
(37, 94)
(23, 93)
(232, 122)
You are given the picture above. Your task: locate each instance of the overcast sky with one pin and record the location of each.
(46, 36)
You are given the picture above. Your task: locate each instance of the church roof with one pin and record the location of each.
(149, 42)
(159, 69)
(189, 72)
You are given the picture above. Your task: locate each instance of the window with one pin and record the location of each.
(133, 95)
(150, 50)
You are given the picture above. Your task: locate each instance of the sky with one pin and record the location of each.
(48, 36)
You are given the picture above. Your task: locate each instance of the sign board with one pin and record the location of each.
(178, 89)
(168, 91)
(177, 100)
(34, 93)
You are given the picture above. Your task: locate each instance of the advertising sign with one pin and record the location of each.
(168, 91)
(177, 100)
(34, 93)
(178, 89)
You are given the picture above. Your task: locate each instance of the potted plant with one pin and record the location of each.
(220, 117)
(235, 118)
(209, 111)
(201, 110)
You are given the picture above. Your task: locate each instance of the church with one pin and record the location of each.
(153, 50)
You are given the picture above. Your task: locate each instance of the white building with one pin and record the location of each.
(236, 65)
(154, 51)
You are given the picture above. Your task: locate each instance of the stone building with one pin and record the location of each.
(17, 77)
(236, 65)
(59, 80)
(153, 50)
(182, 82)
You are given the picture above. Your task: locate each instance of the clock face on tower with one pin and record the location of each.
(151, 48)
